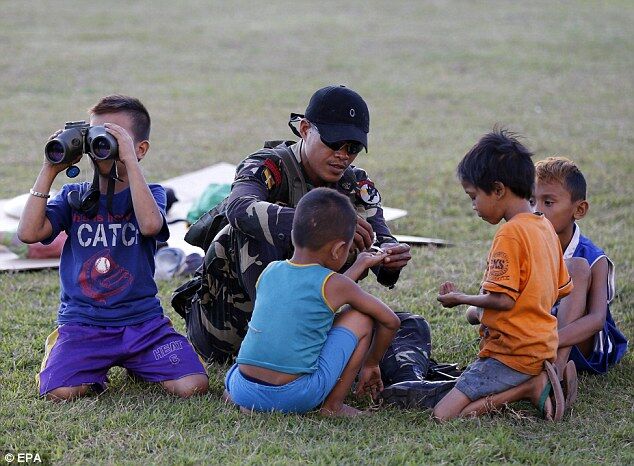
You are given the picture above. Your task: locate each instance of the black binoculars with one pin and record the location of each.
(80, 138)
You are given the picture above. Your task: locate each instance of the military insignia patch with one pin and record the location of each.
(368, 193)
(271, 174)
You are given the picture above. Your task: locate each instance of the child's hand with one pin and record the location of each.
(447, 287)
(359, 269)
(368, 259)
(369, 382)
(127, 153)
(449, 296)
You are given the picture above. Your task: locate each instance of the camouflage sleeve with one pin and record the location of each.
(252, 207)
(368, 205)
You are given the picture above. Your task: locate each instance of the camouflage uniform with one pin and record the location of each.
(259, 232)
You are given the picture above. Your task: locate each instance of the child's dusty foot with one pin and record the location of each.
(546, 394)
(343, 411)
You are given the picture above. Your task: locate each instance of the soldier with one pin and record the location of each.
(259, 214)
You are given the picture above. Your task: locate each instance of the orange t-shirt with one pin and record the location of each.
(526, 263)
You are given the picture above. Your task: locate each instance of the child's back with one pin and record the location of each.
(297, 353)
(291, 318)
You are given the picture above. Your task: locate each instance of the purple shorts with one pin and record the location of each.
(153, 351)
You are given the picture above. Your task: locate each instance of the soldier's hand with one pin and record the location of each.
(363, 235)
(398, 255)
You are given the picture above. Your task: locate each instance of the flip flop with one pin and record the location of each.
(553, 390)
(570, 384)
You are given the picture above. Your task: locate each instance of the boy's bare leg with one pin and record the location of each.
(529, 390)
(361, 325)
(457, 404)
(573, 306)
(451, 405)
(195, 384)
(67, 393)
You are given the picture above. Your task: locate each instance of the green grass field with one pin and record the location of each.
(219, 78)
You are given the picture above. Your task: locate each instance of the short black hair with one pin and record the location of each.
(499, 156)
(117, 103)
(321, 216)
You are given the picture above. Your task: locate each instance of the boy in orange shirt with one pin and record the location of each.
(525, 276)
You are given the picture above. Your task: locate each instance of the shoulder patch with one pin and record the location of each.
(368, 193)
(271, 173)
(498, 266)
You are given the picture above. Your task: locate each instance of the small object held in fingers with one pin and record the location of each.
(375, 249)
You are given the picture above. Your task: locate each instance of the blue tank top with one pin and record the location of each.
(290, 320)
(581, 246)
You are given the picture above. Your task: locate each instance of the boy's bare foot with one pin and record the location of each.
(343, 411)
(226, 397)
(539, 387)
(547, 395)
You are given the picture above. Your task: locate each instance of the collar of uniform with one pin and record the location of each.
(296, 148)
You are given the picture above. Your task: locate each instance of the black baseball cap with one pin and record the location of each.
(340, 114)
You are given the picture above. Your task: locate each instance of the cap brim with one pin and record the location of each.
(336, 133)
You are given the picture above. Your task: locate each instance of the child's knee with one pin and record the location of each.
(358, 323)
(66, 393)
(196, 384)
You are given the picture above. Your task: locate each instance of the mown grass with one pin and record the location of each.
(219, 79)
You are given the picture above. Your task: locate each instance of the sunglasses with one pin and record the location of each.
(351, 147)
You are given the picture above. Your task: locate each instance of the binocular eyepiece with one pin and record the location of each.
(80, 138)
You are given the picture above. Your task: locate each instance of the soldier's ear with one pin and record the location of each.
(304, 126)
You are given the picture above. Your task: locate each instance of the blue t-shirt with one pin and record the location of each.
(290, 320)
(107, 267)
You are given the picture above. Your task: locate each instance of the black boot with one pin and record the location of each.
(407, 357)
(417, 393)
(406, 364)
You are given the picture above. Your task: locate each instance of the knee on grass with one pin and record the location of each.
(66, 393)
(196, 384)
